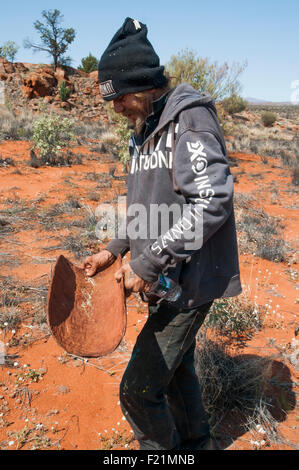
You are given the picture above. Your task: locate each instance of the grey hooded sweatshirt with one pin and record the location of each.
(180, 216)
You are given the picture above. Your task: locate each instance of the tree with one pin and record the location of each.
(55, 40)
(89, 64)
(219, 80)
(9, 50)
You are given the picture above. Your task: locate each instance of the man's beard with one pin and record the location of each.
(147, 106)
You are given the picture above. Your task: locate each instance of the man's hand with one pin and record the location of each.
(132, 282)
(94, 263)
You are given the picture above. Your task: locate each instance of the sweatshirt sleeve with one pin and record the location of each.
(203, 177)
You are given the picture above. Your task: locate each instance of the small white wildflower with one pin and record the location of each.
(123, 418)
(39, 426)
(25, 365)
(105, 430)
(126, 445)
(16, 364)
(99, 433)
(6, 324)
(118, 402)
(118, 423)
(11, 443)
(26, 420)
(13, 331)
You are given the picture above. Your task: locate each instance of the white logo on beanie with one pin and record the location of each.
(136, 24)
(106, 88)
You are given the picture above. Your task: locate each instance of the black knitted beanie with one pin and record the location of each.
(129, 64)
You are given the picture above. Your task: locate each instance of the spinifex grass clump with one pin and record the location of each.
(268, 118)
(231, 383)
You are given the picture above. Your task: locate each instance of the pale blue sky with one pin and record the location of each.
(263, 32)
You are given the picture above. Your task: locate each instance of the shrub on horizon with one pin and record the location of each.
(234, 104)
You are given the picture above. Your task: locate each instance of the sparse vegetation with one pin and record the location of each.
(50, 135)
(9, 50)
(236, 317)
(232, 384)
(234, 104)
(219, 80)
(268, 118)
(64, 91)
(55, 40)
(89, 64)
(120, 139)
(258, 232)
(14, 127)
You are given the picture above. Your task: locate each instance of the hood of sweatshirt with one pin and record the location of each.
(182, 97)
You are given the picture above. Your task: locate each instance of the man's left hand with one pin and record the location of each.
(132, 282)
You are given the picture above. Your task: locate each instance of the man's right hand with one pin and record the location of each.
(94, 263)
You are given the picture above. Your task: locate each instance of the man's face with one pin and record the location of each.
(135, 108)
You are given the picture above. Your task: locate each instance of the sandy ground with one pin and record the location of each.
(70, 403)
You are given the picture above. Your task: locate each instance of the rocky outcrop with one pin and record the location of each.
(7, 67)
(39, 83)
(37, 87)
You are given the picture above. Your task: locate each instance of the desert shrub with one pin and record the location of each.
(234, 104)
(50, 134)
(268, 118)
(120, 137)
(64, 91)
(237, 316)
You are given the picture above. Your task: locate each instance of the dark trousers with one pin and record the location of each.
(160, 394)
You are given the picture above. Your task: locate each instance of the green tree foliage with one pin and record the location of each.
(9, 50)
(64, 91)
(268, 118)
(219, 80)
(54, 39)
(50, 135)
(89, 64)
(234, 104)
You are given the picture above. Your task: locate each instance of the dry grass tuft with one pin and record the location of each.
(231, 383)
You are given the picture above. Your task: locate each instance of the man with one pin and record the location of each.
(178, 158)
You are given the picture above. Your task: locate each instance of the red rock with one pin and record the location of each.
(94, 75)
(41, 83)
(61, 76)
(5, 66)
